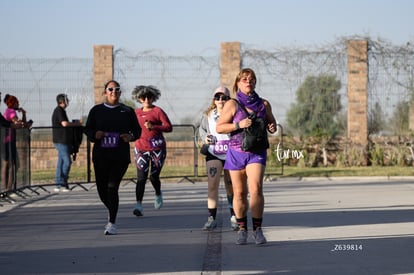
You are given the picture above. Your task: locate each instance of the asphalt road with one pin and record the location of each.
(313, 226)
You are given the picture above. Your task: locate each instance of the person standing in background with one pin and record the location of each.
(111, 126)
(150, 149)
(9, 151)
(215, 157)
(8, 124)
(62, 140)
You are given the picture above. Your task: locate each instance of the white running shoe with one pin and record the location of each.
(110, 229)
(233, 223)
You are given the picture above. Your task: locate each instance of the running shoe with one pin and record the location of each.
(64, 189)
(158, 201)
(210, 224)
(110, 229)
(258, 236)
(138, 210)
(241, 237)
(58, 189)
(233, 223)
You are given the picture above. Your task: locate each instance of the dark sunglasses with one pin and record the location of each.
(111, 89)
(222, 97)
(145, 97)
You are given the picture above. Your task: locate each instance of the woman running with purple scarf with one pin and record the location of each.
(246, 168)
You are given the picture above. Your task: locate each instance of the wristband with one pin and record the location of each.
(237, 126)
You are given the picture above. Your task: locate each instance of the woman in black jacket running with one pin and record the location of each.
(111, 126)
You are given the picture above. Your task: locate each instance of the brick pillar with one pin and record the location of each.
(230, 63)
(357, 91)
(103, 69)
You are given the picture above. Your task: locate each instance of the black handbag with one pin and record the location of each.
(255, 136)
(204, 149)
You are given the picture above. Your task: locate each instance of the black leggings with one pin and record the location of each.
(108, 178)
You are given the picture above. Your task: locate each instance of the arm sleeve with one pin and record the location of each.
(203, 130)
(135, 127)
(166, 125)
(90, 127)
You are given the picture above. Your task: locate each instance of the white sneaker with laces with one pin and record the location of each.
(110, 229)
(64, 189)
(233, 223)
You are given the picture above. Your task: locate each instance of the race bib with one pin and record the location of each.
(221, 147)
(156, 142)
(110, 140)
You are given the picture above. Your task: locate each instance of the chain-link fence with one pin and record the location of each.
(36, 82)
(187, 82)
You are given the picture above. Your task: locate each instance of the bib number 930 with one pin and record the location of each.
(221, 147)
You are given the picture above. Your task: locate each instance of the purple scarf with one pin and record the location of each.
(253, 102)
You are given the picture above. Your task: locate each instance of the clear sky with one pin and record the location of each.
(70, 28)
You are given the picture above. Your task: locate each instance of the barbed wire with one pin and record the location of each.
(187, 82)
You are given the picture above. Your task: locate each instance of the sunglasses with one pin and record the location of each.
(145, 97)
(116, 89)
(222, 97)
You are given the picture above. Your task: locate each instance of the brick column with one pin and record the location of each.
(103, 69)
(230, 63)
(357, 91)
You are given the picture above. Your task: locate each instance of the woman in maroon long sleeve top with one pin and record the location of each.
(150, 149)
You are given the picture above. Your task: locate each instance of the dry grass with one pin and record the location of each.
(178, 173)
